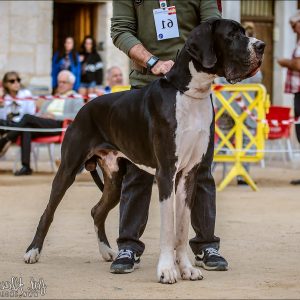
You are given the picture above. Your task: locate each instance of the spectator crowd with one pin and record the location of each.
(77, 77)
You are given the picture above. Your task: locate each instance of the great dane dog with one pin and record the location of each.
(163, 128)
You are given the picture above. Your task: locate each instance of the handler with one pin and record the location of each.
(151, 33)
(292, 83)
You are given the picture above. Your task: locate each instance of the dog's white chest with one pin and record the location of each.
(193, 129)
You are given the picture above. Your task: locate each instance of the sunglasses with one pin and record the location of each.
(63, 82)
(12, 81)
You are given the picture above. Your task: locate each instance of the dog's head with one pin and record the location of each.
(220, 46)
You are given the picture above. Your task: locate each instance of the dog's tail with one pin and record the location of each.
(97, 180)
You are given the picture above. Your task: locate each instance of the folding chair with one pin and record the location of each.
(48, 141)
(280, 132)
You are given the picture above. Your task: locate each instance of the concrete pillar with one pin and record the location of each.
(26, 40)
(111, 55)
(232, 10)
(284, 43)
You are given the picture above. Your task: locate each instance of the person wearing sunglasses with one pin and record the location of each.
(15, 102)
(51, 116)
(292, 83)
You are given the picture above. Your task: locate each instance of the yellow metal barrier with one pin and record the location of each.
(240, 144)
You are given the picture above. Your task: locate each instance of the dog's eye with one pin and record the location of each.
(233, 34)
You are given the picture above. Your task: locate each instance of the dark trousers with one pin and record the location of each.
(135, 200)
(297, 113)
(7, 123)
(30, 121)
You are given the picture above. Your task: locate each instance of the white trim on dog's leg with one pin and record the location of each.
(32, 256)
(183, 216)
(106, 252)
(166, 269)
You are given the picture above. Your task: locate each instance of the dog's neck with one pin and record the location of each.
(185, 77)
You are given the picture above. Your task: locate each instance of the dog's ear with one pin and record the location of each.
(200, 45)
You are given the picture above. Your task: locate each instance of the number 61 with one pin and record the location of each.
(169, 23)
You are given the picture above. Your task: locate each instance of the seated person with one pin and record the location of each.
(51, 115)
(13, 108)
(114, 77)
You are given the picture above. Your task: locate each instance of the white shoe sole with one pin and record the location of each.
(119, 271)
(201, 264)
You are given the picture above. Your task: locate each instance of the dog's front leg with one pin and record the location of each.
(166, 269)
(183, 213)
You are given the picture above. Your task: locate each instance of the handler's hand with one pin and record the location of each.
(162, 67)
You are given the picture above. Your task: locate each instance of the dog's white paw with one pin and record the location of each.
(32, 256)
(107, 253)
(166, 270)
(190, 273)
(187, 271)
(167, 274)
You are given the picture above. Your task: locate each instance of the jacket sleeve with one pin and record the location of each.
(210, 9)
(124, 25)
(31, 105)
(54, 72)
(72, 107)
(77, 73)
(99, 72)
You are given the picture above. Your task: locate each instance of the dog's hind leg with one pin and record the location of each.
(110, 198)
(184, 193)
(63, 179)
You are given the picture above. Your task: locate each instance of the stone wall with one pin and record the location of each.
(26, 33)
(111, 55)
(26, 39)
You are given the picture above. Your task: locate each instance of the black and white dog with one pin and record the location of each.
(162, 128)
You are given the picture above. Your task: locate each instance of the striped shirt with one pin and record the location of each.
(292, 83)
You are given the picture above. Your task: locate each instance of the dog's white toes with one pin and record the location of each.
(32, 256)
(107, 253)
(191, 273)
(167, 275)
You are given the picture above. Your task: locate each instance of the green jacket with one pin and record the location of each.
(133, 23)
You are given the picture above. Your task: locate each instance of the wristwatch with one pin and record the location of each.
(152, 62)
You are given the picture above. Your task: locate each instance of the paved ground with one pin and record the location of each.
(260, 238)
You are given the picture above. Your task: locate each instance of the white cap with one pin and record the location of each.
(295, 18)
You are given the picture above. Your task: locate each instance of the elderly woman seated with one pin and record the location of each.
(51, 115)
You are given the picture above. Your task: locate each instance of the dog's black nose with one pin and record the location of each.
(259, 46)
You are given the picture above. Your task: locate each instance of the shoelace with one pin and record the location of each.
(125, 253)
(212, 251)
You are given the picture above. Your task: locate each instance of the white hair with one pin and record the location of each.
(71, 77)
(296, 17)
(109, 70)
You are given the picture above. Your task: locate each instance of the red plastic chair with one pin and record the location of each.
(49, 141)
(280, 131)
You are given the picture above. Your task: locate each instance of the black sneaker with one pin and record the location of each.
(211, 260)
(295, 182)
(125, 262)
(23, 171)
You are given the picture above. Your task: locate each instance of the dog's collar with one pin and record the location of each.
(174, 85)
(180, 90)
